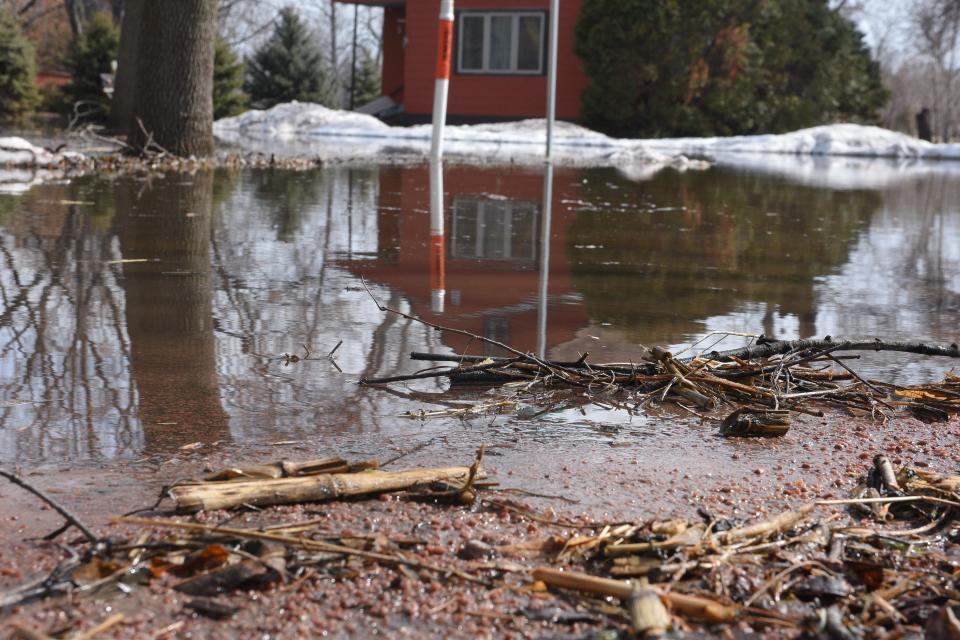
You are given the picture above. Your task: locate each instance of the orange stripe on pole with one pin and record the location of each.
(437, 270)
(444, 49)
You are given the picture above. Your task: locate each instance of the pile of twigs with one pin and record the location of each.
(760, 384)
(791, 570)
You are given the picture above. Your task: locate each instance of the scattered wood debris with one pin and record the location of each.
(808, 570)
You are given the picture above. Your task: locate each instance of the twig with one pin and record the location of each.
(71, 518)
(882, 500)
(297, 542)
(107, 624)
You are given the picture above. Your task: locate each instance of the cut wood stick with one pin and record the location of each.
(225, 495)
(303, 543)
(106, 625)
(776, 524)
(693, 606)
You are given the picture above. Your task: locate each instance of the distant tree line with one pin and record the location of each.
(723, 67)
(925, 76)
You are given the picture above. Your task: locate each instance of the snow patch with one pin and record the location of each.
(309, 129)
(19, 152)
(853, 140)
(865, 153)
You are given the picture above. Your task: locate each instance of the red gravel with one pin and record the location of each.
(819, 458)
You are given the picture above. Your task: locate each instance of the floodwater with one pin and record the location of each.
(142, 317)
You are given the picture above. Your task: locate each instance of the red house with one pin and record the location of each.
(499, 63)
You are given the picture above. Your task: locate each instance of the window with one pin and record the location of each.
(501, 42)
(502, 230)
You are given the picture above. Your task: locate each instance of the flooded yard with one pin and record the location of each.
(149, 319)
(156, 327)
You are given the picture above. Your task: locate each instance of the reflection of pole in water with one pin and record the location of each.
(547, 214)
(349, 212)
(437, 267)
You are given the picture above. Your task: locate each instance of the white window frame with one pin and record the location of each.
(514, 43)
(466, 204)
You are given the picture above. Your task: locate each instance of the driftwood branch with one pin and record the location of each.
(71, 518)
(261, 493)
(779, 347)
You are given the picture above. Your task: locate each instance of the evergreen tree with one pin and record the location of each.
(18, 89)
(228, 96)
(90, 55)
(289, 66)
(366, 85)
(722, 67)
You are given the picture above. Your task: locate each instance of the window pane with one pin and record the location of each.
(501, 39)
(495, 231)
(529, 43)
(471, 43)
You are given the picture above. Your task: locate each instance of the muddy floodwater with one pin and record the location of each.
(148, 319)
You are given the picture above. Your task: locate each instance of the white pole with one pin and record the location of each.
(442, 86)
(444, 55)
(552, 74)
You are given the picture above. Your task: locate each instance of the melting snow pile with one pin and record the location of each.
(302, 128)
(310, 129)
(17, 152)
(828, 140)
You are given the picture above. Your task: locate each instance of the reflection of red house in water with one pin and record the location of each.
(499, 61)
(492, 252)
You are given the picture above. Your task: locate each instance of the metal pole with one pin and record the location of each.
(353, 63)
(552, 74)
(548, 181)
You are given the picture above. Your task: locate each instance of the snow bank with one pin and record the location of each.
(828, 140)
(838, 155)
(18, 152)
(310, 129)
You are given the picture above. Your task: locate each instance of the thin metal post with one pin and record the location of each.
(552, 74)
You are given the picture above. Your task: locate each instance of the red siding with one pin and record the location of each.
(393, 53)
(490, 96)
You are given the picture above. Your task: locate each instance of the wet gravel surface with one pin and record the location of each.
(739, 478)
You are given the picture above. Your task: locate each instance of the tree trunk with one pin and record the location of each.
(173, 98)
(124, 86)
(76, 14)
(334, 58)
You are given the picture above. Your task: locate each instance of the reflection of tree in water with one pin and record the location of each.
(62, 344)
(290, 194)
(661, 256)
(903, 278)
(169, 314)
(271, 297)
